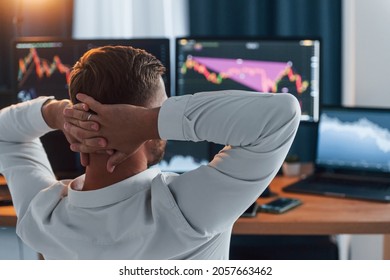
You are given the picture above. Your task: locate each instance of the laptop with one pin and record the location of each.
(353, 155)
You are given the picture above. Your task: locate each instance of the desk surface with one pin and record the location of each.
(318, 215)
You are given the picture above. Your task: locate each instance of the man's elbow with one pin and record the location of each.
(288, 113)
(291, 108)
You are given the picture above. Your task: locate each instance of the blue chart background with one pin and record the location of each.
(342, 145)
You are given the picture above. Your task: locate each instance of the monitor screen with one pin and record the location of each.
(262, 65)
(354, 138)
(42, 66)
(183, 156)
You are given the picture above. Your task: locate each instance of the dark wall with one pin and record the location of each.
(278, 18)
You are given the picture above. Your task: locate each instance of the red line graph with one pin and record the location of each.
(238, 72)
(43, 68)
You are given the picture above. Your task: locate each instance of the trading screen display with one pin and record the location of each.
(42, 67)
(183, 156)
(291, 66)
(354, 138)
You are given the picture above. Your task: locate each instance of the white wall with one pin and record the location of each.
(366, 60)
(367, 247)
(366, 53)
(130, 19)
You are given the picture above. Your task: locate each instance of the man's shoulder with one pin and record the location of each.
(165, 178)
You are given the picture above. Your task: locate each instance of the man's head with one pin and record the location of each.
(121, 75)
(118, 75)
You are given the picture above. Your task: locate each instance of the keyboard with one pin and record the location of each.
(344, 186)
(379, 185)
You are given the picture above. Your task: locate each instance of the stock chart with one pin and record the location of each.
(287, 66)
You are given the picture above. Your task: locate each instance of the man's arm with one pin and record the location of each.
(23, 160)
(257, 129)
(52, 113)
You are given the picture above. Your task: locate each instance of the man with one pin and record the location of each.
(120, 209)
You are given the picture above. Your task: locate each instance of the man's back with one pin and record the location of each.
(135, 219)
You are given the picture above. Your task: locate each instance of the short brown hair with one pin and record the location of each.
(116, 75)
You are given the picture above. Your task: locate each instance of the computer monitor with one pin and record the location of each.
(42, 67)
(254, 64)
(184, 156)
(354, 139)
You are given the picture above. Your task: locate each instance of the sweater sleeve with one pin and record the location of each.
(257, 129)
(23, 160)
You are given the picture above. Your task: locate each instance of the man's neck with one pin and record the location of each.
(97, 176)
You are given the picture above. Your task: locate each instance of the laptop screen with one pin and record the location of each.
(354, 139)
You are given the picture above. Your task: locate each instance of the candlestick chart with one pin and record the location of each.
(262, 76)
(33, 65)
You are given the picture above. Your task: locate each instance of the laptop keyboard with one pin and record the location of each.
(372, 185)
(344, 186)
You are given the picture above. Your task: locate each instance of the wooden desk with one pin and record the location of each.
(317, 215)
(320, 215)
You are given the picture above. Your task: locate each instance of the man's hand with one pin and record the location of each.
(120, 129)
(52, 114)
